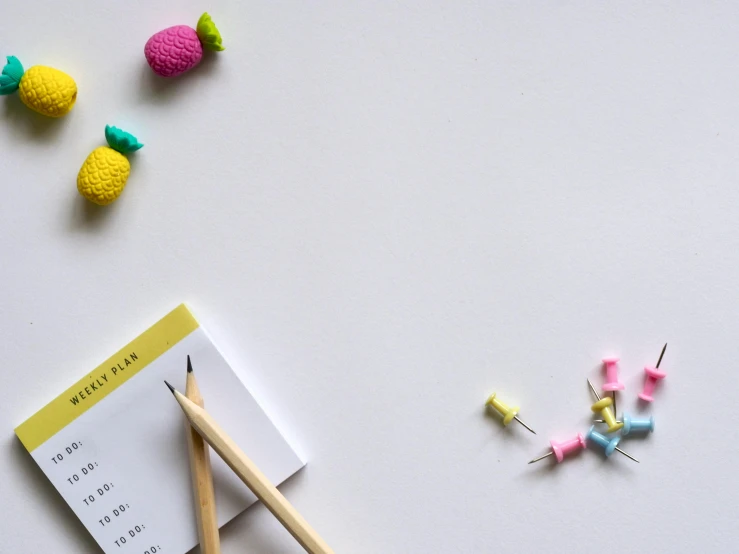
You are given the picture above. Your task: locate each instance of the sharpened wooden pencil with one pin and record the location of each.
(202, 476)
(252, 477)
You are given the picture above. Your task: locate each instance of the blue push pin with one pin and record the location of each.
(608, 445)
(635, 425)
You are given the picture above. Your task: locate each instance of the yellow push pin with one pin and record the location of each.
(509, 413)
(603, 405)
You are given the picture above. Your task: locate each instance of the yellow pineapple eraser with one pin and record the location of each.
(43, 89)
(106, 169)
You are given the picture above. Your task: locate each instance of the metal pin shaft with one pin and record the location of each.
(615, 412)
(661, 354)
(627, 455)
(541, 457)
(522, 423)
(595, 392)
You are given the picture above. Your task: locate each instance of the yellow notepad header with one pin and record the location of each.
(107, 377)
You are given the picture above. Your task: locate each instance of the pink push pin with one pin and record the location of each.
(560, 449)
(653, 375)
(612, 383)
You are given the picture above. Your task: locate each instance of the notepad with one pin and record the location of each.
(114, 446)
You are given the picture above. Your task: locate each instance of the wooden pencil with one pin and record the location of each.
(252, 477)
(202, 476)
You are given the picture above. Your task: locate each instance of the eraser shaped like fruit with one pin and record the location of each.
(177, 49)
(43, 89)
(106, 169)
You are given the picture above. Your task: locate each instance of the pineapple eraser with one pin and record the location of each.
(177, 49)
(43, 89)
(106, 169)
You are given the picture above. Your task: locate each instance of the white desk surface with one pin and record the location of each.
(383, 211)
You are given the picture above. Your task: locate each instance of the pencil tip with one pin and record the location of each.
(189, 365)
(171, 388)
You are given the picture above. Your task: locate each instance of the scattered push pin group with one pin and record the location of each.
(606, 406)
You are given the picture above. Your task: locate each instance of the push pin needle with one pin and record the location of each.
(522, 423)
(540, 458)
(660, 355)
(615, 410)
(595, 392)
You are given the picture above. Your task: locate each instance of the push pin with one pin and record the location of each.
(653, 375)
(612, 383)
(509, 413)
(608, 445)
(603, 405)
(635, 425)
(560, 449)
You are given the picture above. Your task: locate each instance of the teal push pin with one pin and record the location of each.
(608, 445)
(634, 425)
(637, 425)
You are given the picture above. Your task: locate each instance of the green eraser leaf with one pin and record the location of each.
(11, 76)
(208, 33)
(120, 140)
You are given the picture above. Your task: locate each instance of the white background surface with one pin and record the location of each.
(383, 211)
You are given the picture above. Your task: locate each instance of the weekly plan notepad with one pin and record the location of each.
(114, 446)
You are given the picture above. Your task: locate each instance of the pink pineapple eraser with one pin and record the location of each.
(612, 383)
(653, 375)
(177, 49)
